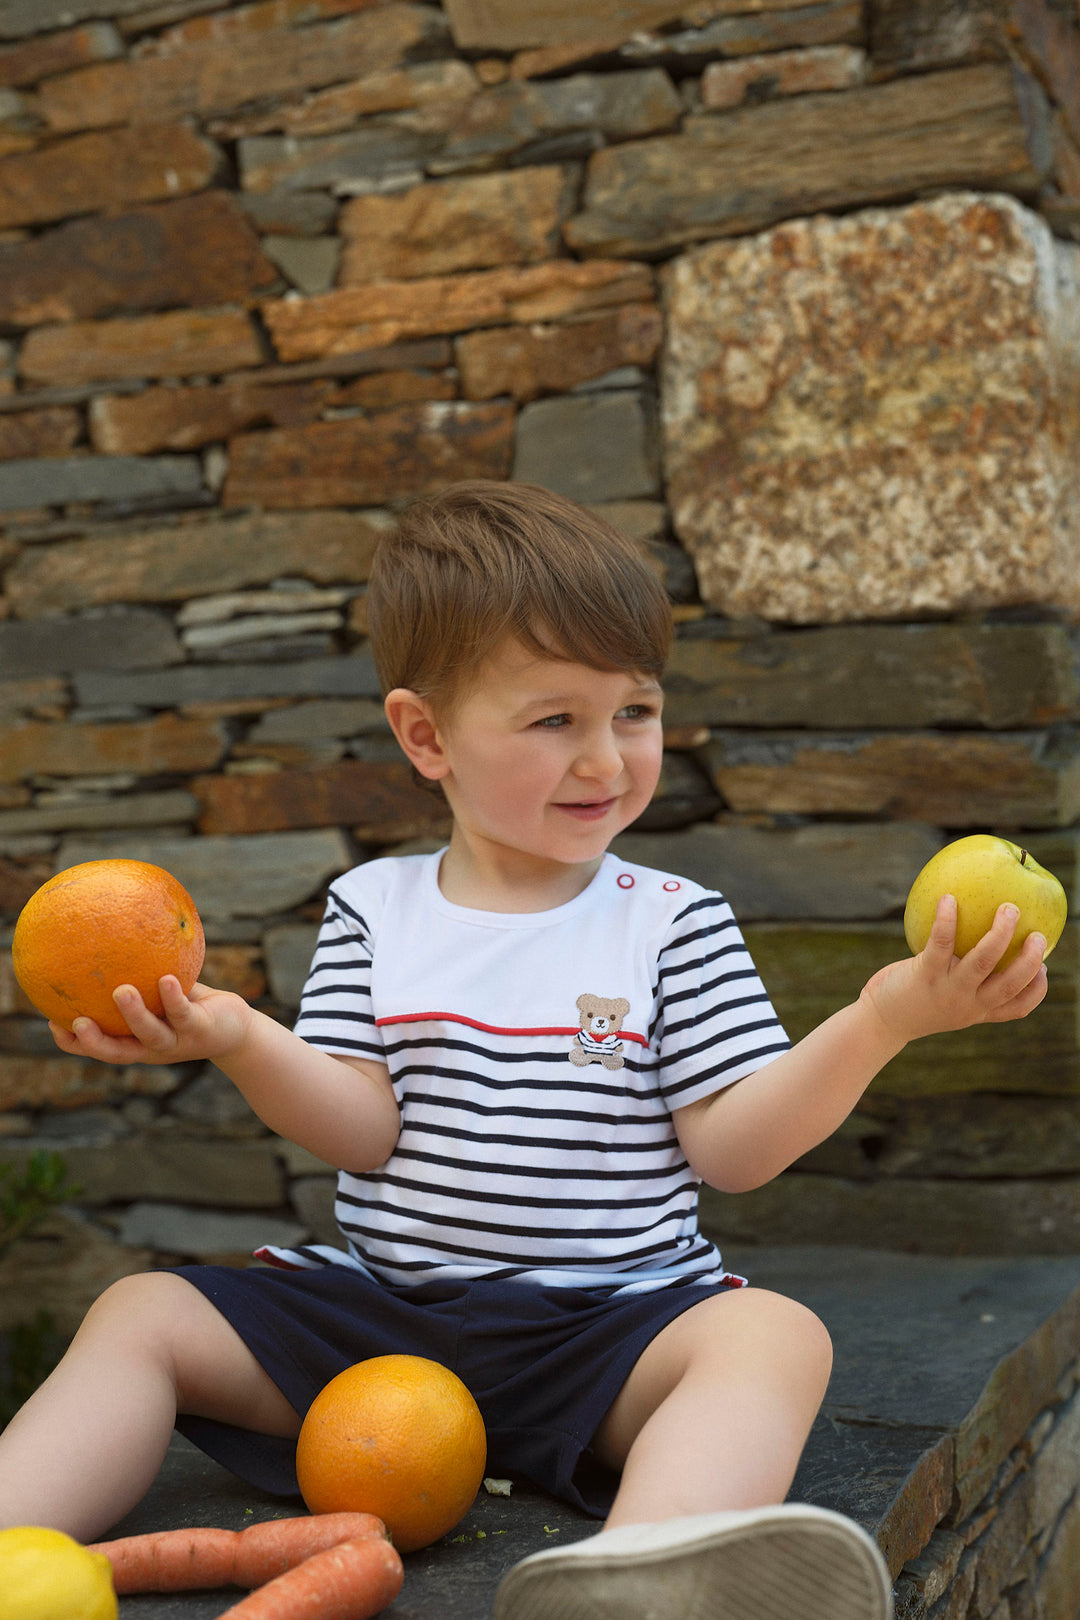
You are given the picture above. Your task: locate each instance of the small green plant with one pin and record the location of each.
(28, 1192)
(30, 1350)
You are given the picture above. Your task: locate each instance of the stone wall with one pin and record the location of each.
(790, 292)
(1013, 1553)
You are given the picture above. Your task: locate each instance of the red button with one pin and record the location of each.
(624, 880)
(671, 886)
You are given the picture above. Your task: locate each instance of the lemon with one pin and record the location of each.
(45, 1575)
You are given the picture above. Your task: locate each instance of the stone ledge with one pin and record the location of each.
(950, 1375)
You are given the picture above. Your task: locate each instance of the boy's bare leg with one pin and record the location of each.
(88, 1444)
(717, 1409)
(708, 1429)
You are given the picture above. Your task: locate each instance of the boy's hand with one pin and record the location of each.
(937, 990)
(204, 1024)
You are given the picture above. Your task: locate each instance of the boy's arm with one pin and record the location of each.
(741, 1137)
(342, 1110)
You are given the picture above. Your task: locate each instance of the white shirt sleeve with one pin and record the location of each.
(716, 1021)
(336, 1013)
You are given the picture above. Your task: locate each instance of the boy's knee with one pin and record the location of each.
(810, 1348)
(818, 1340)
(790, 1327)
(805, 1331)
(145, 1301)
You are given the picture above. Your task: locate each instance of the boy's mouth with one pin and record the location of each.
(587, 810)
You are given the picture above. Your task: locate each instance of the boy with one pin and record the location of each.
(524, 1055)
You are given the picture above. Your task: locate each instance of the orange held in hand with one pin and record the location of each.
(99, 925)
(397, 1436)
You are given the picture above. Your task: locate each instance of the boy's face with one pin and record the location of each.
(550, 758)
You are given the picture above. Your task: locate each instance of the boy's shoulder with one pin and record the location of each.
(664, 896)
(372, 881)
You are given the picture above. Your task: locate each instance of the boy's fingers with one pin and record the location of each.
(183, 1019)
(1024, 1002)
(151, 1031)
(1014, 991)
(1023, 970)
(984, 957)
(90, 1038)
(173, 998)
(63, 1037)
(943, 932)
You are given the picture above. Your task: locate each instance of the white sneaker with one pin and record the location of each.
(774, 1563)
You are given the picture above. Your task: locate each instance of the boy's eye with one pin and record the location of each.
(631, 711)
(637, 711)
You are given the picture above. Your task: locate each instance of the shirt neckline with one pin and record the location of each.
(510, 919)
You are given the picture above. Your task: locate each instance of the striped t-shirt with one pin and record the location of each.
(536, 1058)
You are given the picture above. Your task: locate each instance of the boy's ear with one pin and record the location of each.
(413, 724)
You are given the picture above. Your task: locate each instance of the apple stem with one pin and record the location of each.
(1023, 856)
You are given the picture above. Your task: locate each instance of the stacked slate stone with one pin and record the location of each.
(1005, 1485)
(790, 292)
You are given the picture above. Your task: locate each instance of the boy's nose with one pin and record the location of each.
(600, 758)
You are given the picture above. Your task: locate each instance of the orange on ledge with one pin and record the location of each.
(397, 1436)
(99, 925)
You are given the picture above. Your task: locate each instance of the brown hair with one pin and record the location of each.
(482, 560)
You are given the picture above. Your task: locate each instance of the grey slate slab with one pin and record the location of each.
(246, 875)
(117, 639)
(592, 447)
(56, 480)
(916, 1336)
(918, 1339)
(353, 676)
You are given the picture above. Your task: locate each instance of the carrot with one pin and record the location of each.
(180, 1560)
(171, 1560)
(265, 1552)
(352, 1581)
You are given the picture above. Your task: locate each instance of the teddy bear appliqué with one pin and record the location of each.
(596, 1041)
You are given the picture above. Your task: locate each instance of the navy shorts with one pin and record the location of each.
(543, 1364)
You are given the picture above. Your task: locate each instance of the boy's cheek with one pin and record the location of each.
(654, 767)
(639, 801)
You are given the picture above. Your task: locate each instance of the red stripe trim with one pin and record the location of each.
(275, 1260)
(493, 1029)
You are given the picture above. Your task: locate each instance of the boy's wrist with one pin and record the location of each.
(880, 1028)
(237, 1042)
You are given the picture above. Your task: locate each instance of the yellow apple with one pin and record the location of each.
(984, 872)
